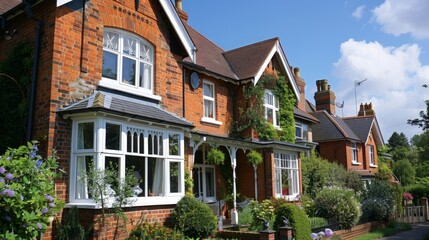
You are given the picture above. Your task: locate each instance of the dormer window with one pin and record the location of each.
(127, 61)
(271, 105)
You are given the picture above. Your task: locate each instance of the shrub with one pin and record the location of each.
(339, 205)
(245, 215)
(147, 231)
(379, 201)
(308, 205)
(317, 222)
(193, 218)
(69, 228)
(261, 212)
(418, 191)
(298, 220)
(27, 193)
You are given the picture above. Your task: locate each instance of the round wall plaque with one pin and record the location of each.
(195, 80)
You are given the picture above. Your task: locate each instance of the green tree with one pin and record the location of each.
(405, 172)
(421, 142)
(398, 140)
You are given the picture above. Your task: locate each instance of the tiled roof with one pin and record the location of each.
(303, 115)
(246, 61)
(209, 55)
(103, 101)
(7, 5)
(361, 126)
(331, 128)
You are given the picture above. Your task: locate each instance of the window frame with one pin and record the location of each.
(354, 150)
(99, 154)
(118, 83)
(280, 164)
(299, 126)
(371, 156)
(212, 100)
(275, 109)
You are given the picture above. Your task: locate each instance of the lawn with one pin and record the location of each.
(387, 231)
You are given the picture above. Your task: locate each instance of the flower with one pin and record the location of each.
(8, 192)
(39, 226)
(9, 176)
(2, 170)
(328, 232)
(39, 163)
(49, 198)
(45, 210)
(9, 158)
(1, 179)
(314, 236)
(408, 196)
(22, 198)
(321, 234)
(51, 205)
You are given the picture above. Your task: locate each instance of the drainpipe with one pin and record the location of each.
(31, 99)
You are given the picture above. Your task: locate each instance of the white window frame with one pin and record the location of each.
(272, 104)
(371, 156)
(287, 161)
(117, 83)
(299, 126)
(353, 147)
(99, 153)
(212, 100)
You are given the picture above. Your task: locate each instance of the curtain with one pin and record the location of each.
(81, 181)
(157, 178)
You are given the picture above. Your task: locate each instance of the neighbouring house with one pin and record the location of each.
(349, 141)
(131, 84)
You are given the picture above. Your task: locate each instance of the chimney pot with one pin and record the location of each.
(179, 5)
(296, 72)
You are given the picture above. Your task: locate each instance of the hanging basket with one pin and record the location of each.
(254, 157)
(215, 156)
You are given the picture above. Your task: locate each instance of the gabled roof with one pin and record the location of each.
(363, 125)
(331, 128)
(117, 104)
(244, 63)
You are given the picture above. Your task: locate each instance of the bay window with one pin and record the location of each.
(271, 105)
(128, 61)
(286, 175)
(154, 156)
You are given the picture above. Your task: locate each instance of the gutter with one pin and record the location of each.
(31, 99)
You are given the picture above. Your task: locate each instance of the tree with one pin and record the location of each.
(405, 172)
(398, 140)
(421, 142)
(423, 121)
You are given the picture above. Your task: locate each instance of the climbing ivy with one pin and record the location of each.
(15, 79)
(252, 116)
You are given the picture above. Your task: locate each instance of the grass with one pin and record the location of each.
(391, 229)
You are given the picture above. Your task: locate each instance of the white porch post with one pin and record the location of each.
(233, 155)
(255, 168)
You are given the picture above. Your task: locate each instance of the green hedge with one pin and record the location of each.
(297, 218)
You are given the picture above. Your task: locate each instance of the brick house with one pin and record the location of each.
(130, 83)
(349, 141)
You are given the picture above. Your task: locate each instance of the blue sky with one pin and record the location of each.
(383, 41)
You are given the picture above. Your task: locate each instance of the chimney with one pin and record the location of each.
(366, 110)
(301, 87)
(182, 14)
(325, 98)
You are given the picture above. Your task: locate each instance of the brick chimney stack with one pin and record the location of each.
(325, 98)
(366, 110)
(301, 86)
(182, 14)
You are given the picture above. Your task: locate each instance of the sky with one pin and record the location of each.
(385, 42)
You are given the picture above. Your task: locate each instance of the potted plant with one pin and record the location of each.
(285, 184)
(215, 156)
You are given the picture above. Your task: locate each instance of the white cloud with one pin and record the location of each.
(395, 76)
(358, 12)
(400, 17)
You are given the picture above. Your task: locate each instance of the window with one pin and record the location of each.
(127, 60)
(271, 105)
(204, 178)
(371, 156)
(354, 153)
(301, 131)
(155, 159)
(209, 100)
(286, 175)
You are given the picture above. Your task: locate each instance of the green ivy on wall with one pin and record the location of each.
(253, 115)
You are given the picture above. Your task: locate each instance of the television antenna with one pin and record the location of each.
(340, 105)
(358, 83)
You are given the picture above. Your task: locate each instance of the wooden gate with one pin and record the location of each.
(413, 214)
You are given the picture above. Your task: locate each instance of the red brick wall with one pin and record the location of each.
(341, 153)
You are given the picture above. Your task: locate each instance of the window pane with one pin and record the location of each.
(141, 139)
(113, 136)
(85, 136)
(83, 164)
(110, 40)
(198, 183)
(128, 71)
(208, 108)
(269, 115)
(135, 144)
(174, 177)
(145, 76)
(210, 176)
(208, 90)
(138, 166)
(150, 144)
(111, 164)
(145, 52)
(174, 147)
(129, 141)
(110, 65)
(129, 46)
(155, 176)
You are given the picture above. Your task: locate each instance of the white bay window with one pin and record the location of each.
(155, 156)
(286, 175)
